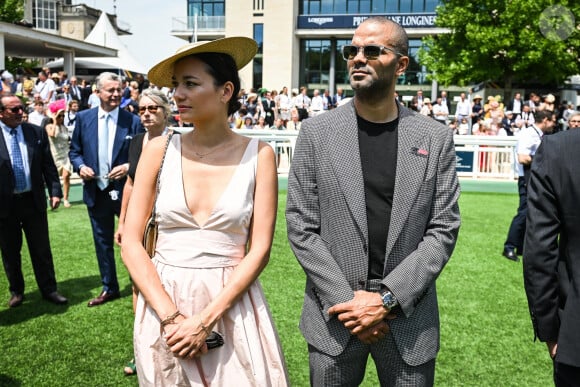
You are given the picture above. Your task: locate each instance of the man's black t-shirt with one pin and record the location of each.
(378, 150)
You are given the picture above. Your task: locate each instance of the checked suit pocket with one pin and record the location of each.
(317, 298)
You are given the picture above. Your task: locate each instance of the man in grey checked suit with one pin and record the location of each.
(373, 218)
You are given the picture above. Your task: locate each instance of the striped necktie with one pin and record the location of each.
(17, 163)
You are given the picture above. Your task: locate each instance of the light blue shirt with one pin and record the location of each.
(23, 150)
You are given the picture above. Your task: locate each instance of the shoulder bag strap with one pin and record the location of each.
(154, 211)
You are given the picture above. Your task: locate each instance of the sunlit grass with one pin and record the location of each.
(487, 339)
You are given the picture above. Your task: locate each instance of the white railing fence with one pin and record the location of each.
(478, 157)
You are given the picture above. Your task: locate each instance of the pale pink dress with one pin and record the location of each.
(194, 262)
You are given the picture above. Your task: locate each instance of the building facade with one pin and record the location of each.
(300, 41)
(63, 18)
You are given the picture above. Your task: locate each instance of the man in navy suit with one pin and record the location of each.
(99, 154)
(26, 165)
(552, 252)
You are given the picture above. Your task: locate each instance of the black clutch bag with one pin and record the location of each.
(214, 340)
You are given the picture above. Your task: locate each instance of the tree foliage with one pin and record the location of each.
(505, 41)
(11, 10)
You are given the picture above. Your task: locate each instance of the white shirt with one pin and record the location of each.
(529, 140)
(463, 108)
(284, 102)
(44, 88)
(440, 109)
(36, 118)
(317, 103)
(517, 108)
(113, 117)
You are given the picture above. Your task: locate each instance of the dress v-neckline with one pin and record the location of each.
(227, 187)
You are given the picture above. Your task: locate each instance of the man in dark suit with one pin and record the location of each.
(99, 154)
(26, 165)
(373, 218)
(552, 252)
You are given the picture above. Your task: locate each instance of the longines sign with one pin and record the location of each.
(414, 20)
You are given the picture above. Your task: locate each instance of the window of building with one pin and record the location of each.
(206, 7)
(315, 65)
(44, 14)
(336, 7)
(258, 59)
(205, 14)
(416, 74)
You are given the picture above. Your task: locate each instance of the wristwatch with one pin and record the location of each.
(389, 300)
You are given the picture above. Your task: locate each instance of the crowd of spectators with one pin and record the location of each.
(494, 117)
(283, 109)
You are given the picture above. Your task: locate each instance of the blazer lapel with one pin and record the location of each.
(4, 155)
(29, 139)
(412, 158)
(345, 158)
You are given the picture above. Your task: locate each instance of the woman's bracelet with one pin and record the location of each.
(170, 319)
(205, 329)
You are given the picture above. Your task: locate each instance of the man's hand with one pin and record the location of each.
(363, 311)
(119, 172)
(552, 348)
(374, 333)
(54, 202)
(86, 173)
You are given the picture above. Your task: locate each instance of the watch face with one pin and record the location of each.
(389, 300)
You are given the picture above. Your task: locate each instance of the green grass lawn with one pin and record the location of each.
(487, 338)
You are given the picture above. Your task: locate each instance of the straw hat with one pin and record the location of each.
(241, 49)
(426, 100)
(550, 98)
(477, 96)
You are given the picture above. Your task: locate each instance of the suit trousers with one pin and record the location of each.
(348, 368)
(102, 216)
(23, 216)
(517, 230)
(566, 375)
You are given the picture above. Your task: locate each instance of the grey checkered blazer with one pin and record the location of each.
(327, 226)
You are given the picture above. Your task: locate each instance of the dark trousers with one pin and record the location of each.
(349, 368)
(302, 114)
(517, 230)
(102, 216)
(566, 375)
(24, 217)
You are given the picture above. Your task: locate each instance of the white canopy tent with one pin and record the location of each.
(103, 34)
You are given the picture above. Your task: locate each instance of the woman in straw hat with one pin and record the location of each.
(59, 145)
(216, 210)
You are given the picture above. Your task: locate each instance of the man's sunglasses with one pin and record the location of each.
(371, 51)
(15, 109)
(151, 109)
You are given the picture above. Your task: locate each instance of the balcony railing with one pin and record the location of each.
(201, 23)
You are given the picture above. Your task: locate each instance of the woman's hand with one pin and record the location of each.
(186, 338)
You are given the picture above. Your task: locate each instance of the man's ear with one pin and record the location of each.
(402, 65)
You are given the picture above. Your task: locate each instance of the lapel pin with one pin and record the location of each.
(420, 152)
